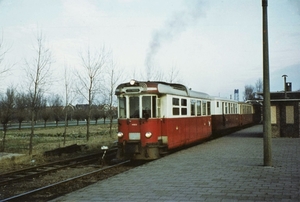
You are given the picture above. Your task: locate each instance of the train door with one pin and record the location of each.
(132, 126)
(143, 111)
(150, 122)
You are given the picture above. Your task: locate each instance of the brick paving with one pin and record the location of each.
(226, 169)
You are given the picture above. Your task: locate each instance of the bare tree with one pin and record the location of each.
(114, 75)
(103, 113)
(21, 108)
(259, 87)
(89, 79)
(96, 114)
(38, 73)
(3, 67)
(68, 108)
(249, 93)
(56, 108)
(152, 73)
(173, 75)
(45, 112)
(6, 111)
(79, 114)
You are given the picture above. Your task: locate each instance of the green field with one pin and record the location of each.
(17, 141)
(45, 139)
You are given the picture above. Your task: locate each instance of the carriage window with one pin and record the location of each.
(204, 107)
(122, 107)
(198, 107)
(223, 107)
(193, 111)
(208, 108)
(175, 111)
(176, 101)
(175, 106)
(134, 107)
(183, 107)
(158, 107)
(153, 106)
(218, 104)
(179, 106)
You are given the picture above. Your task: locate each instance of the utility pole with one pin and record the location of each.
(266, 91)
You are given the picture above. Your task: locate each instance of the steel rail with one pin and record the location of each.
(26, 173)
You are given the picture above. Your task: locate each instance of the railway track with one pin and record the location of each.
(37, 171)
(56, 189)
(20, 181)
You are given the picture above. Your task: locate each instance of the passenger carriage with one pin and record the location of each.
(247, 114)
(229, 114)
(155, 117)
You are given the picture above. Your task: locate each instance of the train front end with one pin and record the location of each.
(139, 128)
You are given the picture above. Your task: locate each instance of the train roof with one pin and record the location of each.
(158, 87)
(222, 99)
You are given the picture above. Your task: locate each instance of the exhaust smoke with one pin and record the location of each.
(177, 24)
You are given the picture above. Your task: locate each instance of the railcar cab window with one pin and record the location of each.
(122, 107)
(134, 107)
(148, 106)
(142, 106)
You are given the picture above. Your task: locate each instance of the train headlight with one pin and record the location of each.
(120, 134)
(132, 82)
(148, 134)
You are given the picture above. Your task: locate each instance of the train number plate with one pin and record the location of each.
(134, 136)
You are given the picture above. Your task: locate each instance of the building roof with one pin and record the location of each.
(284, 96)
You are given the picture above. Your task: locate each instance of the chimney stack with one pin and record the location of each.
(284, 85)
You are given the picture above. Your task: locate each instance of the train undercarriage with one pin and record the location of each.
(134, 150)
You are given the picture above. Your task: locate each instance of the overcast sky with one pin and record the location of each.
(216, 45)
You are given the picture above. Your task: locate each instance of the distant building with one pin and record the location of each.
(285, 112)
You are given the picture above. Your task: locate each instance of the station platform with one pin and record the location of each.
(225, 169)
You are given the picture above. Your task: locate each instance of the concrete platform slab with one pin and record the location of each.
(226, 169)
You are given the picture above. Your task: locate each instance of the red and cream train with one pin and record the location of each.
(155, 117)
